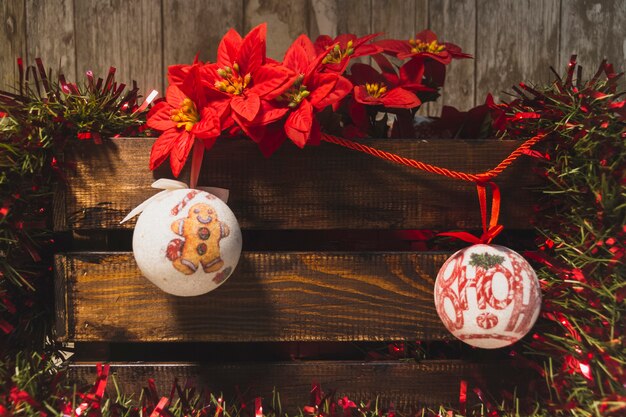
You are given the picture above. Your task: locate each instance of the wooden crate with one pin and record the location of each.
(347, 209)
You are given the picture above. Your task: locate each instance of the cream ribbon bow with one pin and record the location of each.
(168, 186)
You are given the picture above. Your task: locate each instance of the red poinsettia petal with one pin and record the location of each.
(247, 106)
(298, 124)
(296, 58)
(270, 81)
(322, 43)
(269, 113)
(174, 96)
(228, 48)
(180, 151)
(412, 72)
(177, 73)
(208, 126)
(159, 117)
(362, 96)
(162, 147)
(362, 40)
(361, 74)
(193, 85)
(269, 137)
(365, 50)
(400, 98)
(394, 46)
(456, 51)
(426, 36)
(384, 64)
(320, 85)
(342, 88)
(305, 43)
(435, 72)
(251, 54)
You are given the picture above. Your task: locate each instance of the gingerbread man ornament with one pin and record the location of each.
(201, 231)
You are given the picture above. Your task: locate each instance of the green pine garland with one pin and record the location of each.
(582, 221)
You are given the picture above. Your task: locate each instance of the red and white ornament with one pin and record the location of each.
(186, 241)
(488, 296)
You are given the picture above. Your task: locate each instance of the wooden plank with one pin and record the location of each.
(323, 18)
(591, 29)
(184, 37)
(517, 41)
(397, 18)
(455, 21)
(285, 22)
(408, 386)
(324, 187)
(272, 296)
(13, 41)
(354, 16)
(126, 35)
(50, 32)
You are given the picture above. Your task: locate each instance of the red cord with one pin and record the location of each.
(491, 228)
(477, 178)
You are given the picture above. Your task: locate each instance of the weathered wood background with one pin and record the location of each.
(511, 40)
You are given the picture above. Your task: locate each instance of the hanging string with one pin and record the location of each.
(491, 228)
(433, 169)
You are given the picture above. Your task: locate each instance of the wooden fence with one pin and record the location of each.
(511, 40)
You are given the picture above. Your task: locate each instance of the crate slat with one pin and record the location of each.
(325, 187)
(272, 296)
(406, 385)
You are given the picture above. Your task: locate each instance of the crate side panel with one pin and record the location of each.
(324, 187)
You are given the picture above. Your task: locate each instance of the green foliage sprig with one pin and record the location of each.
(37, 121)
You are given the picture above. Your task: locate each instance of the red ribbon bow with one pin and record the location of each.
(491, 229)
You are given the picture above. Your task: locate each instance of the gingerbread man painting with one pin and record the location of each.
(201, 232)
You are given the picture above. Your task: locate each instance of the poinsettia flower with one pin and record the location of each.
(373, 88)
(338, 52)
(310, 92)
(242, 78)
(182, 117)
(425, 44)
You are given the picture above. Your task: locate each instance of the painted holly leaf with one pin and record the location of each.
(485, 260)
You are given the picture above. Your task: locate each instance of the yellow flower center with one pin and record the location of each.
(336, 55)
(375, 90)
(232, 81)
(418, 46)
(186, 116)
(296, 93)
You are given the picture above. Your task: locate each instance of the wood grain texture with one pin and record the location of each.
(197, 26)
(396, 18)
(123, 34)
(286, 20)
(54, 19)
(455, 21)
(323, 18)
(593, 30)
(272, 296)
(517, 40)
(324, 187)
(408, 386)
(354, 16)
(12, 41)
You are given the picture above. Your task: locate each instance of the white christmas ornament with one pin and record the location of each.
(488, 296)
(186, 241)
